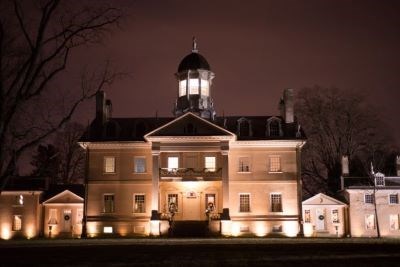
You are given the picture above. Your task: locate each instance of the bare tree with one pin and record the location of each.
(36, 42)
(337, 123)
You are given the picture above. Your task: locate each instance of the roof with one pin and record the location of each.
(134, 129)
(77, 189)
(26, 183)
(193, 61)
(367, 182)
(322, 199)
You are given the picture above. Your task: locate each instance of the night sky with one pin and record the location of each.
(256, 49)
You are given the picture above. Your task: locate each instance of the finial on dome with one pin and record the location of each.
(194, 45)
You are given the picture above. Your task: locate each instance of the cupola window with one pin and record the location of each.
(182, 88)
(205, 88)
(194, 86)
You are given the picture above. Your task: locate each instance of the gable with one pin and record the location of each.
(190, 125)
(64, 197)
(322, 199)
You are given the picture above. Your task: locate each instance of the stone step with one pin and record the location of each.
(189, 229)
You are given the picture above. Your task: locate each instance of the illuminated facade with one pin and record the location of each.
(241, 174)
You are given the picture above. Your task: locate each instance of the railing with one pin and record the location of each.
(190, 172)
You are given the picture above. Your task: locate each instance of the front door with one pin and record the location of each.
(320, 220)
(67, 218)
(191, 207)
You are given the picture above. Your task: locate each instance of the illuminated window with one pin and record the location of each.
(307, 216)
(194, 86)
(52, 217)
(244, 203)
(210, 202)
(394, 222)
(205, 88)
(109, 164)
(335, 216)
(19, 200)
(276, 202)
(140, 164)
(17, 223)
(182, 88)
(108, 203)
(107, 229)
(173, 163)
(369, 198)
(379, 180)
(244, 164)
(393, 199)
(209, 163)
(173, 202)
(139, 205)
(369, 222)
(275, 164)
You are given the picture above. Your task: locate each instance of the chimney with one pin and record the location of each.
(101, 107)
(108, 109)
(345, 165)
(398, 165)
(288, 105)
(281, 107)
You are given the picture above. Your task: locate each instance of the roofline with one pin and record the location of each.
(65, 191)
(326, 196)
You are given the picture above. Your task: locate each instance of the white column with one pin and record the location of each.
(155, 181)
(225, 179)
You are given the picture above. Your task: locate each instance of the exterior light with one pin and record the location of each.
(291, 228)
(5, 231)
(308, 229)
(155, 223)
(107, 229)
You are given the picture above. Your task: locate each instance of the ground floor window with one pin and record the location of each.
(394, 222)
(17, 223)
(210, 202)
(139, 204)
(244, 205)
(307, 216)
(173, 202)
(108, 203)
(369, 222)
(276, 202)
(335, 216)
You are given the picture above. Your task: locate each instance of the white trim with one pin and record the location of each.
(115, 145)
(63, 193)
(321, 195)
(268, 143)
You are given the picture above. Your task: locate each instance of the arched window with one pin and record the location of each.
(244, 127)
(274, 127)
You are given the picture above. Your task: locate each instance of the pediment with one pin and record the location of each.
(64, 197)
(189, 124)
(322, 199)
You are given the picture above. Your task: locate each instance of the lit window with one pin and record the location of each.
(53, 217)
(394, 222)
(379, 180)
(276, 202)
(107, 229)
(244, 205)
(19, 200)
(108, 203)
(275, 164)
(244, 164)
(210, 202)
(369, 198)
(194, 86)
(182, 88)
(173, 202)
(393, 199)
(307, 216)
(205, 88)
(17, 223)
(210, 163)
(173, 163)
(335, 216)
(139, 205)
(369, 222)
(109, 164)
(140, 164)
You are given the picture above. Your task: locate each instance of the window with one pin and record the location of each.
(140, 164)
(379, 179)
(17, 223)
(393, 199)
(369, 198)
(307, 216)
(274, 128)
(210, 164)
(244, 164)
(244, 127)
(194, 86)
(109, 164)
(173, 202)
(205, 88)
(79, 216)
(182, 88)
(107, 229)
(275, 164)
(19, 200)
(108, 203)
(173, 163)
(335, 216)
(139, 205)
(369, 222)
(276, 202)
(244, 205)
(210, 202)
(394, 222)
(52, 217)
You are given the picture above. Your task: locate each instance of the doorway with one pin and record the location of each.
(191, 207)
(320, 222)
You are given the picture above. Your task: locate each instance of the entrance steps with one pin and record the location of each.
(189, 229)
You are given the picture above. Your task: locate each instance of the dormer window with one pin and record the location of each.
(244, 127)
(274, 127)
(379, 179)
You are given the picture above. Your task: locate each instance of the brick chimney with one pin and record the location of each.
(288, 105)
